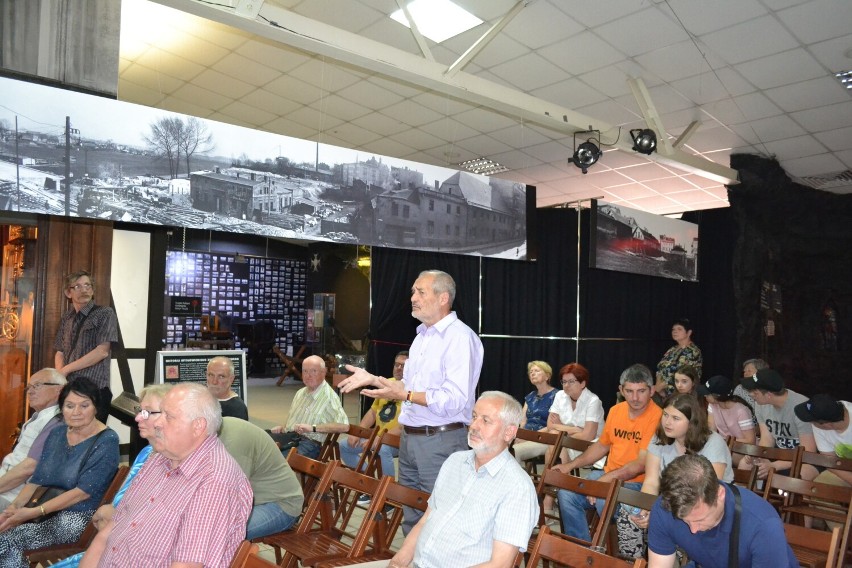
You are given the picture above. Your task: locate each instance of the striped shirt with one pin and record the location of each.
(97, 325)
(319, 407)
(196, 512)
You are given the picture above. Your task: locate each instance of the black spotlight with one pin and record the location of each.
(644, 140)
(586, 154)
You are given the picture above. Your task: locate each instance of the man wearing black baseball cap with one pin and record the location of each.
(778, 423)
(830, 420)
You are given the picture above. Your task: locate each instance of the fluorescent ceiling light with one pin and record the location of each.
(483, 166)
(437, 19)
(845, 78)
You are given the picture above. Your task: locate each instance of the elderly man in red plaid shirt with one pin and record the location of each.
(190, 502)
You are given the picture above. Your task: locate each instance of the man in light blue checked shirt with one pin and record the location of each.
(483, 508)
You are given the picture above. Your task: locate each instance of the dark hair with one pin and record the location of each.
(697, 432)
(734, 398)
(684, 323)
(401, 354)
(686, 481)
(577, 370)
(83, 387)
(690, 372)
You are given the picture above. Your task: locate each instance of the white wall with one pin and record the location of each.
(131, 255)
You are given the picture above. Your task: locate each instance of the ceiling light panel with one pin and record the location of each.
(437, 20)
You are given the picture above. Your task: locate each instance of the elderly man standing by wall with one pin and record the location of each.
(84, 340)
(438, 387)
(316, 409)
(220, 378)
(43, 390)
(190, 502)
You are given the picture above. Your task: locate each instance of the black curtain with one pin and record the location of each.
(625, 318)
(793, 275)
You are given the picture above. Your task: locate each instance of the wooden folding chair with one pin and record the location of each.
(52, 554)
(248, 556)
(827, 461)
(608, 491)
(396, 497)
(570, 443)
(813, 548)
(547, 438)
(292, 365)
(386, 439)
(558, 549)
(326, 543)
(356, 431)
(316, 513)
(800, 498)
(771, 454)
(629, 498)
(329, 450)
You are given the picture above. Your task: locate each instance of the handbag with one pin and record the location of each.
(45, 493)
(285, 440)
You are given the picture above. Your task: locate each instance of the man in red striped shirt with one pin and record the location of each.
(189, 504)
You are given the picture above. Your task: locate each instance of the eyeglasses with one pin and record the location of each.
(38, 386)
(567, 382)
(78, 287)
(146, 414)
(313, 371)
(400, 365)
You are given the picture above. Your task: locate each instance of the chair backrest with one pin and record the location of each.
(352, 484)
(548, 438)
(317, 508)
(634, 498)
(745, 478)
(329, 450)
(576, 444)
(829, 461)
(812, 499)
(588, 487)
(397, 496)
(368, 455)
(772, 454)
(810, 545)
(307, 470)
(561, 551)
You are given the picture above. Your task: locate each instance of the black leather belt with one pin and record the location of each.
(432, 430)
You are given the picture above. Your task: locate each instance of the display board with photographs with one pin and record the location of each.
(237, 290)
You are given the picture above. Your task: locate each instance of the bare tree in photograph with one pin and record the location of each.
(164, 141)
(196, 139)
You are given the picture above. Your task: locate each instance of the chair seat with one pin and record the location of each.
(820, 512)
(314, 547)
(809, 558)
(372, 557)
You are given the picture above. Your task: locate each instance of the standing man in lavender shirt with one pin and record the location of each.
(438, 389)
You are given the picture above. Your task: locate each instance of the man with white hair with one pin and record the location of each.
(189, 504)
(482, 491)
(43, 394)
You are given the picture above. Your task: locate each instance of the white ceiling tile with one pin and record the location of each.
(540, 24)
(270, 102)
(381, 123)
(391, 33)
(570, 93)
(199, 51)
(773, 128)
(355, 135)
(195, 95)
(218, 116)
(387, 147)
(370, 94)
(676, 61)
(185, 107)
(528, 72)
(246, 70)
(612, 81)
(845, 157)
(520, 136)
(692, 197)
(293, 89)
(605, 179)
(603, 12)
(665, 32)
(781, 69)
(131, 92)
(483, 120)
(353, 16)
(836, 140)
(832, 53)
(749, 40)
(416, 138)
(222, 84)
(581, 53)
(449, 129)
(735, 84)
(702, 89)
(221, 35)
(781, 4)
(312, 118)
(169, 64)
(516, 160)
(812, 165)
(631, 191)
(673, 185)
(409, 112)
(825, 118)
(545, 172)
(485, 9)
(339, 107)
(326, 75)
(499, 49)
(616, 159)
(247, 114)
(699, 20)
(654, 203)
(484, 145)
(442, 104)
(815, 93)
(287, 127)
(151, 79)
(610, 112)
(796, 147)
(756, 105)
(818, 20)
(271, 55)
(709, 139)
(400, 88)
(646, 172)
(550, 151)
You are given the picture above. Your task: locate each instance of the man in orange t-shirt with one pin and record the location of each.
(628, 430)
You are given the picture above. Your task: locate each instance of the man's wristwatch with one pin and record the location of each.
(314, 427)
